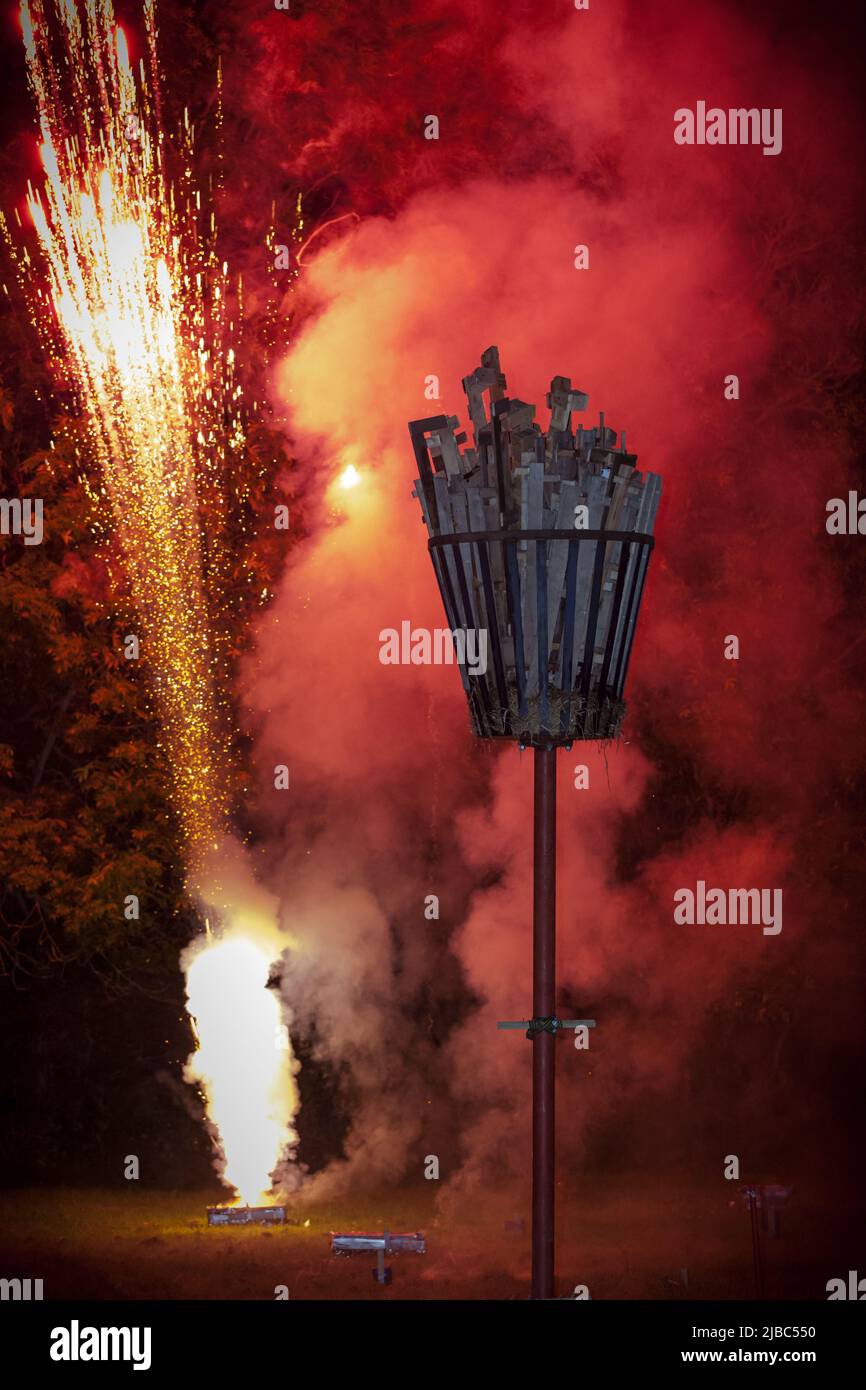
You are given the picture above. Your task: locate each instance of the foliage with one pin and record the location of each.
(84, 817)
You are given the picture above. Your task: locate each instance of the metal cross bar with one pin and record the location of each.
(345, 1244)
(534, 1026)
(577, 534)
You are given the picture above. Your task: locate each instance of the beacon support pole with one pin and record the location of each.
(543, 1006)
(540, 539)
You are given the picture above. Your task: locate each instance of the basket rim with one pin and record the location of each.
(468, 537)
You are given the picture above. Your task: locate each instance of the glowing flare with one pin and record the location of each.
(350, 477)
(242, 1062)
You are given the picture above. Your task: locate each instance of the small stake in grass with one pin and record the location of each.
(387, 1243)
(751, 1193)
(763, 1200)
(382, 1272)
(772, 1196)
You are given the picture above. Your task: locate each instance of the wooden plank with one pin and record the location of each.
(490, 557)
(488, 377)
(471, 466)
(595, 498)
(419, 492)
(485, 515)
(453, 567)
(450, 453)
(562, 400)
(461, 525)
(557, 562)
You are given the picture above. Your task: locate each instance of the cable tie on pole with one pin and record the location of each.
(542, 1025)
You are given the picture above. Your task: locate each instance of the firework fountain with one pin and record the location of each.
(134, 302)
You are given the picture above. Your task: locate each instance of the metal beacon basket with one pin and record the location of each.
(540, 544)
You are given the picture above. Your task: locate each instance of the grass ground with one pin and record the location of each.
(623, 1239)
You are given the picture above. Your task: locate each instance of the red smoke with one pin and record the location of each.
(556, 129)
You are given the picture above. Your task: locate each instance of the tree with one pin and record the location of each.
(84, 816)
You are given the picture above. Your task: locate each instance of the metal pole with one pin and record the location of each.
(544, 1006)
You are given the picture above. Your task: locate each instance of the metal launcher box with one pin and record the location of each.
(246, 1216)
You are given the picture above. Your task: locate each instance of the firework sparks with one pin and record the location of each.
(140, 309)
(137, 306)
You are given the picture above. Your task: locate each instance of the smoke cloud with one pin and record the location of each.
(703, 262)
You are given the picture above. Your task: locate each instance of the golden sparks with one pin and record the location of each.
(137, 303)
